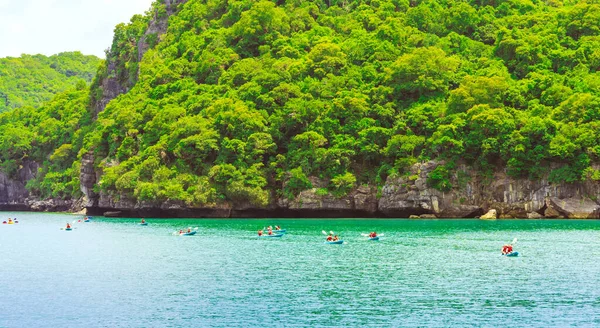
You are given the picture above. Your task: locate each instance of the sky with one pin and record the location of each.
(52, 26)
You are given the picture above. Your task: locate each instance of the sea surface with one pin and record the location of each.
(422, 273)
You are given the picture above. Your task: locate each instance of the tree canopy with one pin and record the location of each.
(246, 101)
(33, 80)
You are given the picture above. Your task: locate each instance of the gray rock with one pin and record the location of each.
(534, 215)
(575, 208)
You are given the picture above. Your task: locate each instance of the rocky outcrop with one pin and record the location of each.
(363, 201)
(534, 215)
(410, 195)
(401, 197)
(575, 208)
(490, 215)
(87, 178)
(473, 195)
(13, 193)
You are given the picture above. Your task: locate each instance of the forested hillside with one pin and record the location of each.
(249, 101)
(33, 80)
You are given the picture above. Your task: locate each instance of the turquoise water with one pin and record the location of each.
(438, 273)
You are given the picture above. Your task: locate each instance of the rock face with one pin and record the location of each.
(87, 178)
(361, 201)
(472, 195)
(13, 193)
(534, 215)
(410, 195)
(401, 197)
(575, 208)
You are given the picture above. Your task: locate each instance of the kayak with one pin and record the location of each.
(86, 221)
(279, 231)
(11, 223)
(271, 236)
(513, 254)
(374, 239)
(339, 242)
(144, 224)
(188, 233)
(68, 229)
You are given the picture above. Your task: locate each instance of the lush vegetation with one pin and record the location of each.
(33, 80)
(244, 101)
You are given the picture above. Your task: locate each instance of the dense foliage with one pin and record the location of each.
(33, 80)
(245, 100)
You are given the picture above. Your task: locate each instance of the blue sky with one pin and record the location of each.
(52, 26)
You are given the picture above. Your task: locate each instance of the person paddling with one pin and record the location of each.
(507, 249)
(330, 237)
(260, 233)
(68, 226)
(143, 221)
(336, 238)
(277, 228)
(373, 234)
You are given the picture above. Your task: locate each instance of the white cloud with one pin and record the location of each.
(52, 26)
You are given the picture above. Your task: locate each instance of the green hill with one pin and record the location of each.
(33, 80)
(244, 101)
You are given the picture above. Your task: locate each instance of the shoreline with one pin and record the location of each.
(21, 209)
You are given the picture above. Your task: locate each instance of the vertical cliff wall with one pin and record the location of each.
(111, 85)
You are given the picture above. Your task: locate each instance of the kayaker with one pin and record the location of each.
(330, 238)
(373, 234)
(180, 232)
(277, 228)
(336, 238)
(10, 221)
(189, 230)
(507, 249)
(270, 232)
(143, 221)
(68, 226)
(260, 233)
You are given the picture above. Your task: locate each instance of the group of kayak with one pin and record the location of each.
(86, 219)
(10, 221)
(270, 232)
(507, 249)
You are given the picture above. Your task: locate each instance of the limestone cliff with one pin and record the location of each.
(111, 85)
